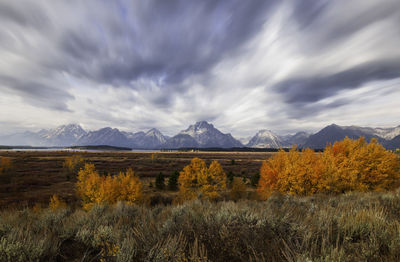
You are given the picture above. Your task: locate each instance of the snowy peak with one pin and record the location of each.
(71, 130)
(199, 128)
(105, 136)
(152, 139)
(206, 135)
(61, 136)
(388, 133)
(265, 139)
(297, 139)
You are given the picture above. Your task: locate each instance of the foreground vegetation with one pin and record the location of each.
(339, 205)
(349, 227)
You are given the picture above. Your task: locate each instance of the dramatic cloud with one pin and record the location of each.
(244, 65)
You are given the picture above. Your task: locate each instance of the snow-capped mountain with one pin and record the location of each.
(151, 139)
(64, 135)
(333, 133)
(297, 139)
(265, 139)
(181, 141)
(388, 133)
(201, 134)
(206, 135)
(105, 136)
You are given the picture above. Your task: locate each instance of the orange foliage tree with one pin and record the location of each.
(196, 180)
(348, 165)
(96, 189)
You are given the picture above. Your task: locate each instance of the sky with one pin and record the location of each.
(285, 66)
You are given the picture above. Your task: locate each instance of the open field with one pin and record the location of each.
(37, 175)
(348, 227)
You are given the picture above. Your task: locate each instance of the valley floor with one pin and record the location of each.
(37, 175)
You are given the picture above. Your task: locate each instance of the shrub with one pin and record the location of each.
(95, 189)
(173, 181)
(348, 165)
(56, 203)
(346, 227)
(196, 180)
(238, 189)
(160, 184)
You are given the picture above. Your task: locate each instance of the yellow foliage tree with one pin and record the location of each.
(348, 165)
(196, 180)
(73, 163)
(96, 189)
(238, 189)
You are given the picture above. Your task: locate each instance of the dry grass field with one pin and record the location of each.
(37, 175)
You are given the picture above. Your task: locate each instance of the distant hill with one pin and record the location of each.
(333, 133)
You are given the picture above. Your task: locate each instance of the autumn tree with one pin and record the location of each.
(348, 165)
(72, 165)
(238, 189)
(96, 189)
(198, 180)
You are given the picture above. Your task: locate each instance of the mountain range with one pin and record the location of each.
(199, 135)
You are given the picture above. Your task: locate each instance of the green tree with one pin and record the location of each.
(254, 179)
(229, 177)
(173, 181)
(160, 181)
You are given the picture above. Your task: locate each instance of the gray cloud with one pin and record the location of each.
(315, 88)
(261, 64)
(39, 94)
(166, 41)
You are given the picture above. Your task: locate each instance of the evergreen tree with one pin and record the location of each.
(254, 179)
(160, 181)
(173, 181)
(229, 177)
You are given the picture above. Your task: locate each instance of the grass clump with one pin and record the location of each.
(348, 227)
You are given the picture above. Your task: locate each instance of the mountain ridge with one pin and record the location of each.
(199, 135)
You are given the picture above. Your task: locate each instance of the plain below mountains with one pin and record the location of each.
(199, 135)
